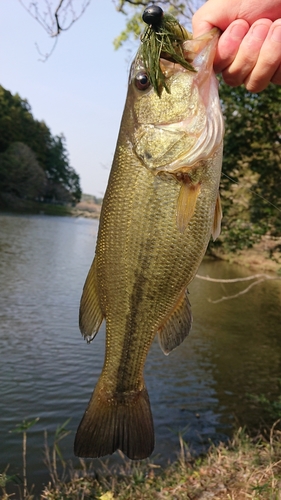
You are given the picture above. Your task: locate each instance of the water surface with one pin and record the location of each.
(47, 370)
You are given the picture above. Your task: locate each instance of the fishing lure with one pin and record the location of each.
(163, 38)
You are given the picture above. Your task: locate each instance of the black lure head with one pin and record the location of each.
(152, 15)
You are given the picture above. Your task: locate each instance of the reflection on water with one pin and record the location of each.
(48, 371)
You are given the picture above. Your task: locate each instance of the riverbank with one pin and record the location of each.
(246, 468)
(87, 207)
(264, 256)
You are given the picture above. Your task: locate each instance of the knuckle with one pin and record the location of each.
(232, 78)
(255, 86)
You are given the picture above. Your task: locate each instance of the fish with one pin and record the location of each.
(159, 211)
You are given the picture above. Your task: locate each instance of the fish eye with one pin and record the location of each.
(142, 81)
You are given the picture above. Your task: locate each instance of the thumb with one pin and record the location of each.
(213, 14)
(200, 27)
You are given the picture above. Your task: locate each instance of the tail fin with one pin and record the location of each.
(121, 422)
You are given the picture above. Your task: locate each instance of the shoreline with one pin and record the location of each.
(264, 256)
(245, 467)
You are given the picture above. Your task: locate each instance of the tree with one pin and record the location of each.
(17, 125)
(63, 181)
(20, 172)
(252, 158)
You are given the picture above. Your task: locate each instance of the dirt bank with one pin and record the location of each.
(264, 256)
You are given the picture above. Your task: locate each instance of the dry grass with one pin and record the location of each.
(243, 469)
(87, 209)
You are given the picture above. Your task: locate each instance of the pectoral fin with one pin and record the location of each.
(177, 325)
(186, 203)
(90, 314)
(217, 219)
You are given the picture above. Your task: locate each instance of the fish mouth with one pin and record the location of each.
(194, 130)
(200, 52)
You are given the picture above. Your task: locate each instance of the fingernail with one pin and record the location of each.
(238, 31)
(260, 31)
(276, 34)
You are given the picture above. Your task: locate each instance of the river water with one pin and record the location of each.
(203, 389)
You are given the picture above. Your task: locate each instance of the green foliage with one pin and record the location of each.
(252, 154)
(25, 425)
(272, 407)
(63, 181)
(61, 433)
(33, 163)
(22, 428)
(20, 172)
(5, 479)
(133, 29)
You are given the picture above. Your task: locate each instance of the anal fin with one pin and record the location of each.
(90, 314)
(217, 219)
(186, 202)
(177, 325)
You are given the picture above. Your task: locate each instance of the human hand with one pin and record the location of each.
(249, 49)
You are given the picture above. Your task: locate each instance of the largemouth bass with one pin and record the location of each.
(160, 208)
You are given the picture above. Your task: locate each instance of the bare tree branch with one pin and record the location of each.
(55, 19)
(235, 280)
(44, 57)
(59, 29)
(258, 277)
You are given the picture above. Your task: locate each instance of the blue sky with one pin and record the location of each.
(80, 91)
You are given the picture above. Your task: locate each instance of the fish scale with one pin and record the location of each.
(154, 228)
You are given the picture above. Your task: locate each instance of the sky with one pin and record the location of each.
(79, 91)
